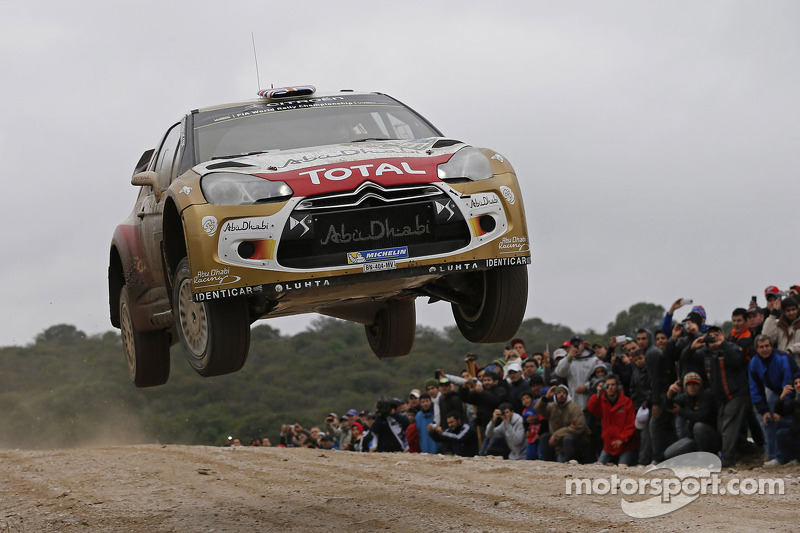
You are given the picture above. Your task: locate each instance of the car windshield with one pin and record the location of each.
(315, 121)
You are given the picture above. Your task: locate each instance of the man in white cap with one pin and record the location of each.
(518, 385)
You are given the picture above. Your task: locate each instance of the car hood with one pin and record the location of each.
(339, 167)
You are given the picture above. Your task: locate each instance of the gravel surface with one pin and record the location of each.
(156, 488)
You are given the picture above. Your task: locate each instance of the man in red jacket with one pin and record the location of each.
(617, 416)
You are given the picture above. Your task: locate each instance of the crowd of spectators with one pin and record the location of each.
(640, 399)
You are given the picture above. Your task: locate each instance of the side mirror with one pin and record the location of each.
(147, 178)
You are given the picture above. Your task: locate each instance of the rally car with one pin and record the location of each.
(347, 204)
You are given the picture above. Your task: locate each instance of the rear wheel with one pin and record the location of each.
(146, 352)
(215, 335)
(496, 304)
(392, 333)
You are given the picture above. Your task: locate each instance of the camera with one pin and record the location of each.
(709, 339)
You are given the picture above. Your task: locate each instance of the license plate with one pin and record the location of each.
(380, 265)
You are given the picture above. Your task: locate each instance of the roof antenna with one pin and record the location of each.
(255, 56)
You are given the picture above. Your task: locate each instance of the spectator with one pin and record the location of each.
(462, 438)
(389, 429)
(530, 367)
(568, 436)
(597, 376)
(696, 406)
(600, 351)
(518, 385)
(683, 336)
(755, 320)
(413, 398)
(640, 394)
(727, 371)
(448, 398)
(662, 374)
(783, 326)
(740, 334)
(537, 384)
(326, 442)
(508, 425)
(789, 407)
(661, 340)
(666, 324)
(768, 374)
(424, 420)
(575, 368)
(339, 430)
(617, 416)
(533, 427)
(432, 388)
(358, 443)
(485, 395)
(518, 345)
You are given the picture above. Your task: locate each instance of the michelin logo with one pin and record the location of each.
(356, 258)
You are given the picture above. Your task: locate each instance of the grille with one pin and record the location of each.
(323, 230)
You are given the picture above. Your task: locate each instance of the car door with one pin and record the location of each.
(152, 208)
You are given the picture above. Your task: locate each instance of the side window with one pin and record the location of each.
(166, 156)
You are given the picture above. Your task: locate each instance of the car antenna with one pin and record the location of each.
(255, 56)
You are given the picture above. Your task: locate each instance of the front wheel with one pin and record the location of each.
(215, 335)
(146, 352)
(497, 299)
(392, 333)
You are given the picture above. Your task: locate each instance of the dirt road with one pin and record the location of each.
(154, 488)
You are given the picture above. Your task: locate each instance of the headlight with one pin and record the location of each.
(228, 188)
(468, 163)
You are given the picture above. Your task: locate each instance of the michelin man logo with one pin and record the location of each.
(354, 258)
(210, 225)
(508, 194)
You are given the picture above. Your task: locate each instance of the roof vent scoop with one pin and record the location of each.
(287, 92)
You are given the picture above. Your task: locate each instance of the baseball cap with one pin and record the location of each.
(558, 354)
(352, 412)
(772, 290)
(528, 412)
(575, 339)
(414, 393)
(444, 381)
(753, 310)
(692, 377)
(700, 310)
(513, 367)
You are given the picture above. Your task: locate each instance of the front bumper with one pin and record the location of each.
(356, 237)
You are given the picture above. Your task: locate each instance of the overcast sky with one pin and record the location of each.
(657, 143)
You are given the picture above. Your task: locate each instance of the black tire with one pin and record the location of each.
(146, 352)
(215, 335)
(392, 334)
(498, 298)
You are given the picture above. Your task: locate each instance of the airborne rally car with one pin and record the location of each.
(346, 204)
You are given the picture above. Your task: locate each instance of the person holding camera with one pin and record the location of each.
(695, 406)
(509, 426)
(460, 437)
(389, 428)
(617, 416)
(726, 368)
(485, 393)
(568, 436)
(788, 406)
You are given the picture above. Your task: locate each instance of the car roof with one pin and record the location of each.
(262, 100)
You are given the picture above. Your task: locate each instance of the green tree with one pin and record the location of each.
(61, 333)
(639, 315)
